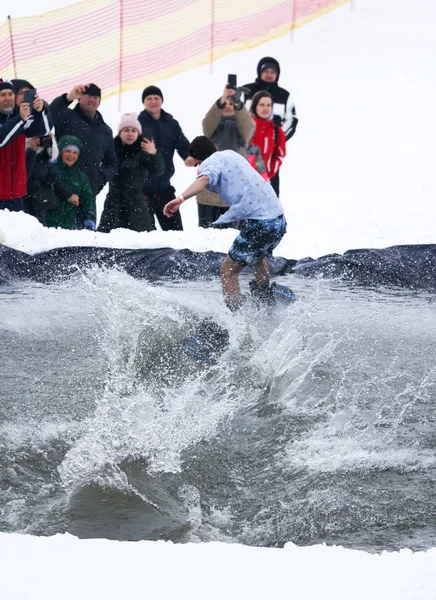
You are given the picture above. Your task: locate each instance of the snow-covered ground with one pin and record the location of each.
(359, 173)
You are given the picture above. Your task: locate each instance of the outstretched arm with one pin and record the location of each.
(195, 188)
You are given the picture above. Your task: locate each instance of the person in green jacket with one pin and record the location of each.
(79, 210)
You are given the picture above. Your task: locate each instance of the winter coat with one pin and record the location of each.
(41, 177)
(68, 216)
(13, 133)
(125, 205)
(168, 137)
(227, 133)
(270, 139)
(99, 161)
(284, 109)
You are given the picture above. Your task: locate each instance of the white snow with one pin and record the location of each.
(359, 173)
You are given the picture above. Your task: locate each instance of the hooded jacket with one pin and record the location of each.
(66, 215)
(99, 161)
(168, 137)
(125, 205)
(284, 109)
(13, 133)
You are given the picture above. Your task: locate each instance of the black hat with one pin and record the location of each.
(268, 65)
(19, 84)
(151, 90)
(6, 85)
(202, 147)
(93, 90)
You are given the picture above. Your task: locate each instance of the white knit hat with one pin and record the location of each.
(130, 120)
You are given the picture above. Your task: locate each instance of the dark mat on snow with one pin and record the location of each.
(412, 267)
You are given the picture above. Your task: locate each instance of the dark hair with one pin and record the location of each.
(257, 98)
(202, 147)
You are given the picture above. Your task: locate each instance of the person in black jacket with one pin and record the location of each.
(268, 73)
(99, 161)
(125, 205)
(168, 136)
(45, 190)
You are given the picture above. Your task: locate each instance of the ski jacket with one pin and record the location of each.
(271, 141)
(99, 161)
(68, 216)
(227, 133)
(13, 133)
(169, 138)
(284, 108)
(125, 205)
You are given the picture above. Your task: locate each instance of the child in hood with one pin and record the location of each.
(79, 210)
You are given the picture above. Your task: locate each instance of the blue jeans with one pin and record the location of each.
(257, 239)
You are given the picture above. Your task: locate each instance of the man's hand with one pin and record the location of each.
(33, 143)
(172, 207)
(38, 104)
(148, 146)
(190, 162)
(25, 110)
(227, 93)
(76, 92)
(74, 199)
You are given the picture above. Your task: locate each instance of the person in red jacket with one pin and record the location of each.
(268, 136)
(16, 123)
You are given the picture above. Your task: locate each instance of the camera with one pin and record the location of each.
(46, 141)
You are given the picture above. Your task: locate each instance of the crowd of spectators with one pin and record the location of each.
(56, 158)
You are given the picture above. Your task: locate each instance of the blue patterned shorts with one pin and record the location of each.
(257, 239)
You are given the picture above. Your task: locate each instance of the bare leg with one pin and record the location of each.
(230, 280)
(261, 272)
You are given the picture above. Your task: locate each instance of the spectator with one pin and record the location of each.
(268, 73)
(16, 123)
(78, 210)
(99, 161)
(45, 189)
(229, 126)
(168, 136)
(125, 205)
(268, 136)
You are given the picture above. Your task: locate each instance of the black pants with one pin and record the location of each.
(275, 182)
(207, 214)
(156, 202)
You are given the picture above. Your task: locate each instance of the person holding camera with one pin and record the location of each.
(99, 161)
(17, 123)
(228, 125)
(45, 190)
(125, 205)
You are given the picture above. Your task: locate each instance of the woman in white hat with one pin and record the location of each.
(125, 205)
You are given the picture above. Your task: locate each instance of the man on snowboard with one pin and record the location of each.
(253, 203)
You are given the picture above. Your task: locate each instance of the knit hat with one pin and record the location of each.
(93, 90)
(268, 65)
(130, 120)
(268, 62)
(202, 147)
(6, 85)
(19, 84)
(71, 147)
(152, 90)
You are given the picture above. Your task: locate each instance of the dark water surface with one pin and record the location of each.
(317, 424)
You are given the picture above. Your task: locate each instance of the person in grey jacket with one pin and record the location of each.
(229, 126)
